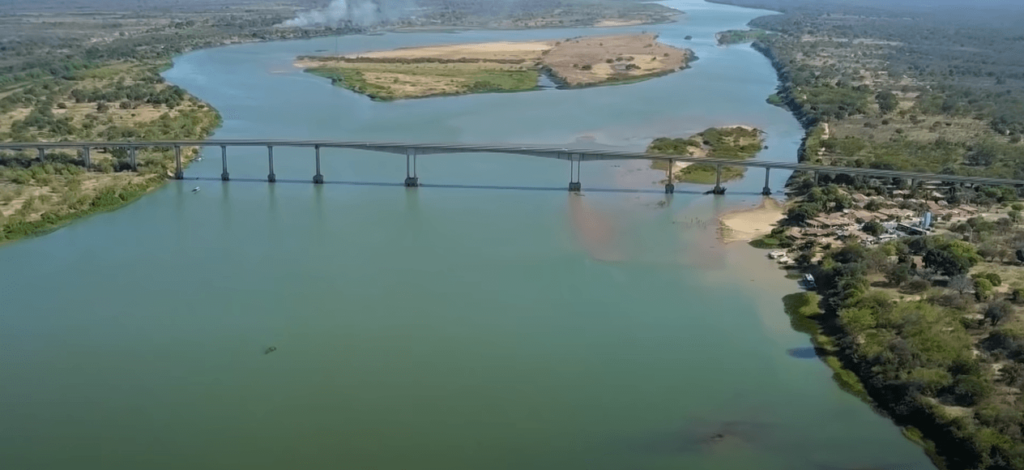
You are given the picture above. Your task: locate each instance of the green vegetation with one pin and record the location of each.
(399, 80)
(117, 94)
(106, 199)
(703, 173)
(805, 316)
(930, 324)
(740, 36)
(917, 353)
(734, 143)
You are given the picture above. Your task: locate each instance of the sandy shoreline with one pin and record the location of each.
(748, 224)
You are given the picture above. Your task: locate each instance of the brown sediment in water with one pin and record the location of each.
(593, 229)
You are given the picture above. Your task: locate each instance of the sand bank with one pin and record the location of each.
(748, 224)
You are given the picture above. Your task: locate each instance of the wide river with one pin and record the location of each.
(475, 323)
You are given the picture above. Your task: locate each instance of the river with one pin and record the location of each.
(474, 323)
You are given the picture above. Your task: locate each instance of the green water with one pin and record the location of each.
(469, 324)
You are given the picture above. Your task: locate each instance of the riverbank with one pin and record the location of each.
(752, 223)
(431, 71)
(958, 398)
(119, 101)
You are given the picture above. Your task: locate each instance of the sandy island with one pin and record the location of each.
(499, 66)
(748, 224)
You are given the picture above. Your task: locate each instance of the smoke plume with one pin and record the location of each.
(359, 12)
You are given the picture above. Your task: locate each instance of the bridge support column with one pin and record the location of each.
(767, 191)
(271, 177)
(133, 158)
(574, 174)
(224, 175)
(318, 178)
(669, 187)
(411, 180)
(179, 173)
(42, 154)
(718, 181)
(815, 177)
(86, 161)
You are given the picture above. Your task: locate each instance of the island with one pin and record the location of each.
(499, 66)
(734, 143)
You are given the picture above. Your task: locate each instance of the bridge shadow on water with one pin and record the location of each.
(466, 186)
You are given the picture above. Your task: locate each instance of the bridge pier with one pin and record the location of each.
(133, 158)
(669, 187)
(224, 175)
(718, 190)
(85, 158)
(767, 191)
(318, 178)
(574, 175)
(42, 154)
(411, 180)
(179, 173)
(271, 177)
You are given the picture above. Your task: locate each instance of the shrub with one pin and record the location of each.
(998, 311)
(917, 286)
(873, 228)
(982, 289)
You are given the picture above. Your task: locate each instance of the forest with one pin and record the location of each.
(933, 89)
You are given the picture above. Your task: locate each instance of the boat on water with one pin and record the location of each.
(195, 189)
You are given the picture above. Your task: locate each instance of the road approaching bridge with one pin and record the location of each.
(575, 157)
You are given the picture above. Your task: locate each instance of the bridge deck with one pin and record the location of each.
(563, 153)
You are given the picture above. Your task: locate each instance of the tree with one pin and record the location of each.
(873, 228)
(1015, 216)
(952, 259)
(998, 311)
(961, 284)
(898, 274)
(887, 101)
(988, 251)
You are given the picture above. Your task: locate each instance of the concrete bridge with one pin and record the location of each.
(411, 150)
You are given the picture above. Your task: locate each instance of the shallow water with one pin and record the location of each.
(473, 323)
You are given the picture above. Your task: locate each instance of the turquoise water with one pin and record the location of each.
(472, 323)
